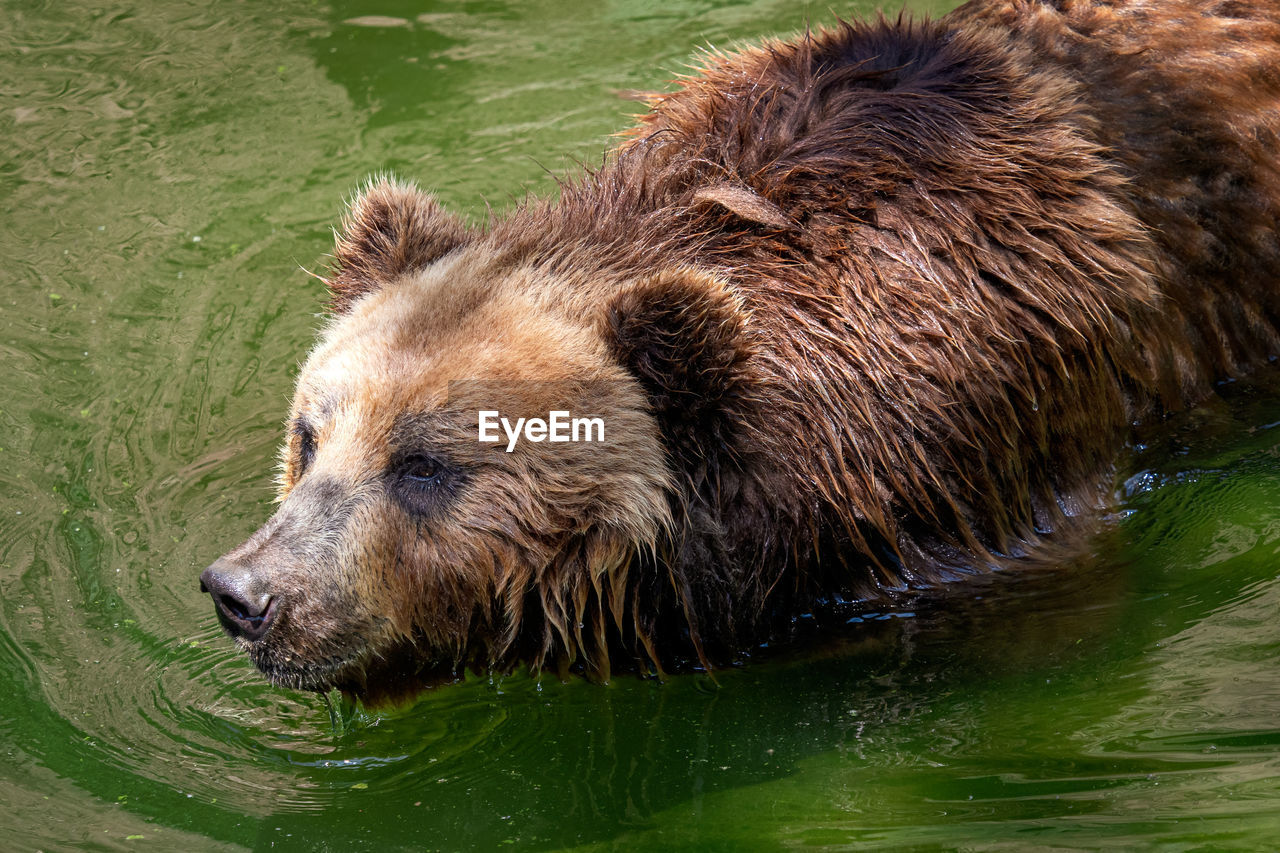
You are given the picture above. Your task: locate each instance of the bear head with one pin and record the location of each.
(410, 542)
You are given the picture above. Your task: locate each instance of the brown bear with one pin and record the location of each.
(855, 313)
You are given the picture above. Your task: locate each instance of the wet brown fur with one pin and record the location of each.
(870, 308)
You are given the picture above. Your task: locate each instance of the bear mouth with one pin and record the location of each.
(294, 672)
(373, 677)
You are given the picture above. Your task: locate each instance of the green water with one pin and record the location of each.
(166, 172)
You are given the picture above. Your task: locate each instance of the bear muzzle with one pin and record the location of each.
(245, 607)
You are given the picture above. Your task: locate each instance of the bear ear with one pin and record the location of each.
(390, 229)
(682, 334)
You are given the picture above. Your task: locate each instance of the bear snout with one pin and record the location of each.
(245, 606)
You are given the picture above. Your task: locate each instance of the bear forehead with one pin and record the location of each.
(404, 343)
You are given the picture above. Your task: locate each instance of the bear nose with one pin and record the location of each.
(245, 607)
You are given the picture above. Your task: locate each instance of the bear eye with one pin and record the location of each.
(421, 470)
(306, 446)
(423, 484)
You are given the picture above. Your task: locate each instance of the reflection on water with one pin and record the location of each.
(167, 170)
